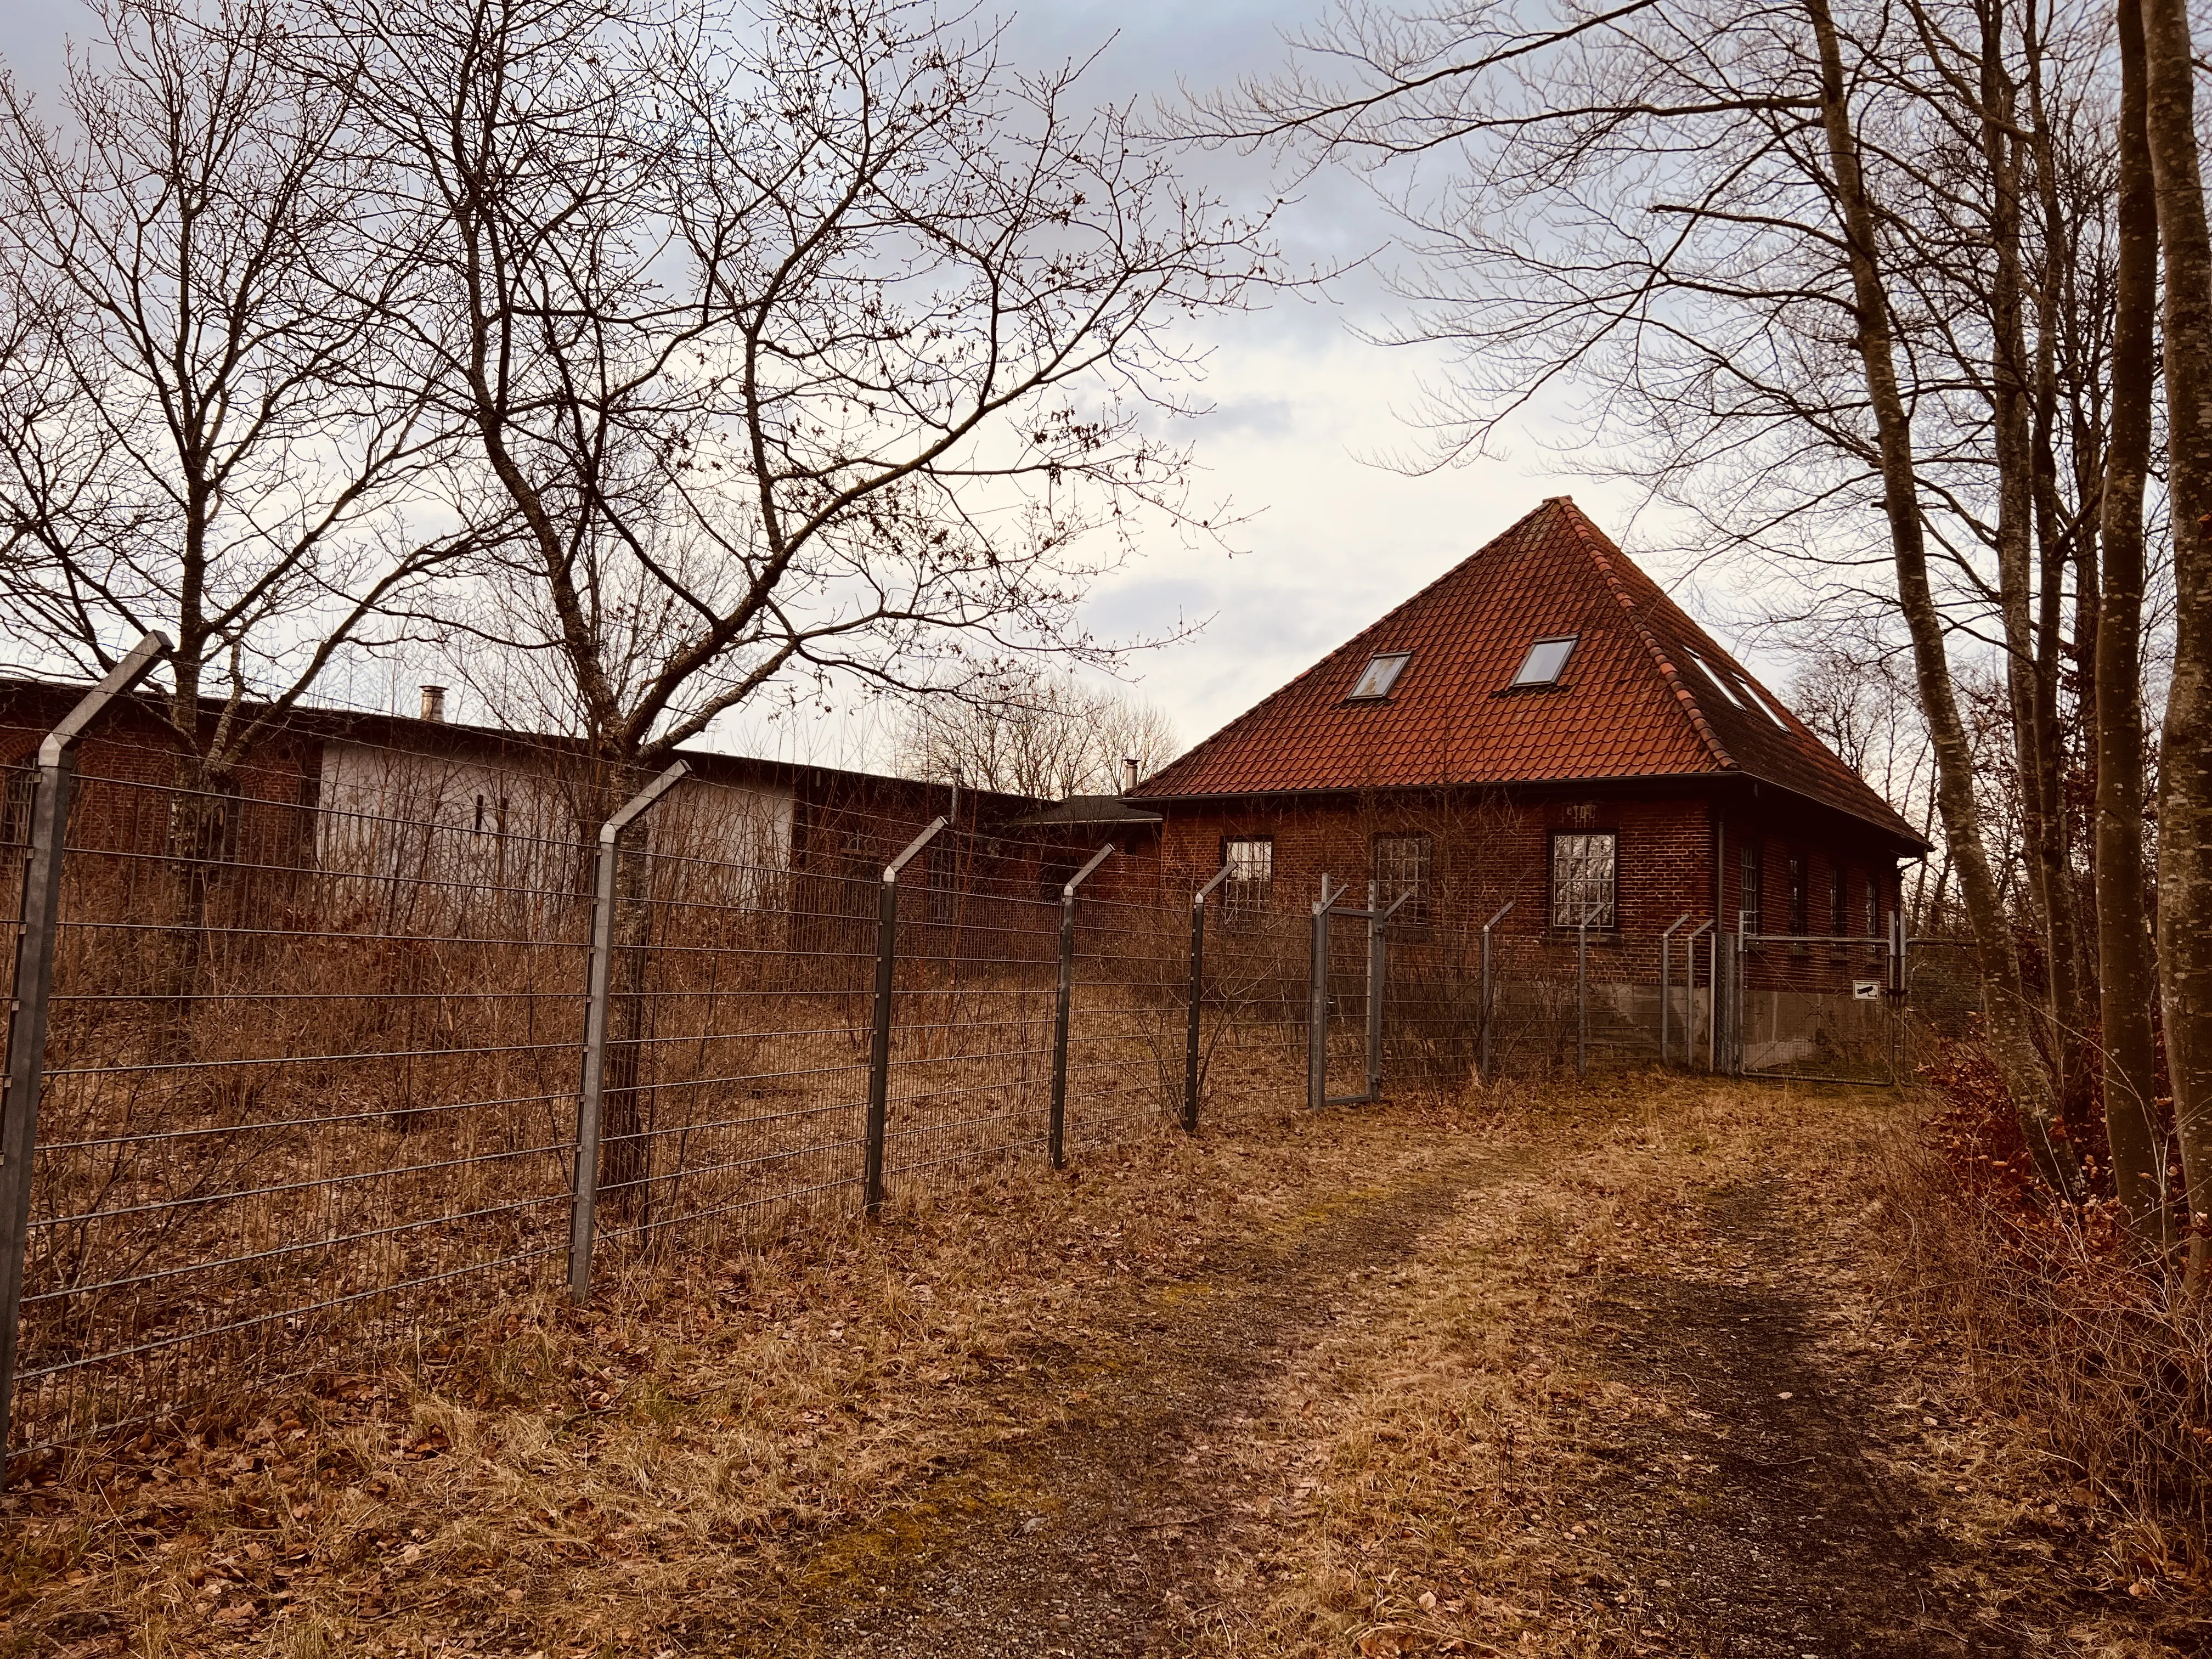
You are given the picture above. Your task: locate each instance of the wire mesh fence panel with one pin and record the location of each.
(1819, 1007)
(972, 1017)
(739, 1004)
(1345, 1010)
(318, 1047)
(1126, 1027)
(1253, 1014)
(312, 1060)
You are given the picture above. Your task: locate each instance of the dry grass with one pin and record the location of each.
(557, 1482)
(756, 1426)
(2104, 1364)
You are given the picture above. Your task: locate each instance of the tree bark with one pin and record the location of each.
(2031, 660)
(2128, 978)
(2184, 796)
(2011, 1035)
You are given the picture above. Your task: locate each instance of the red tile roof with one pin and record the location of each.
(1640, 697)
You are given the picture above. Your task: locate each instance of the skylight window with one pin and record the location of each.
(1769, 708)
(1719, 684)
(1546, 660)
(1381, 674)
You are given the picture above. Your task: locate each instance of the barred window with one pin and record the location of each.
(1873, 909)
(1251, 881)
(1801, 907)
(1751, 886)
(1405, 867)
(1839, 914)
(1584, 879)
(15, 805)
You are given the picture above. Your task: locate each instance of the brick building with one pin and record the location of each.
(1541, 725)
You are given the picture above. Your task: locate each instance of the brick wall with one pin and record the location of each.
(1489, 849)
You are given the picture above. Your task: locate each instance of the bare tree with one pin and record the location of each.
(209, 431)
(2128, 971)
(209, 428)
(818, 349)
(1772, 241)
(1042, 734)
(2184, 798)
(822, 347)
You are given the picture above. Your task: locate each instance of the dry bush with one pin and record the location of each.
(2099, 1356)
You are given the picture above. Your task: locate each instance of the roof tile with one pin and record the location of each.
(1638, 698)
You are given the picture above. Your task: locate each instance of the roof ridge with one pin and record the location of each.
(1597, 544)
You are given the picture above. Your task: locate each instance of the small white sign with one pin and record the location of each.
(1867, 990)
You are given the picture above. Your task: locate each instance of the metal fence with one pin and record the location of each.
(295, 1076)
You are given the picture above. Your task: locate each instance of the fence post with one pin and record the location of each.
(32, 993)
(1378, 979)
(879, 1046)
(1690, 995)
(1666, 988)
(1317, 1004)
(1375, 970)
(1197, 993)
(1581, 998)
(1896, 997)
(1482, 1064)
(584, 1188)
(1713, 996)
(1056, 1131)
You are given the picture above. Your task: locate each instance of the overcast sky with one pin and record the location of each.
(1301, 406)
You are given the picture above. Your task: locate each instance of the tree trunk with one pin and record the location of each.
(2030, 669)
(2057, 538)
(2128, 974)
(2184, 796)
(2011, 1035)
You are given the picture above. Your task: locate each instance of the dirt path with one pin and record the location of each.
(1750, 1521)
(1684, 1453)
(1096, 1537)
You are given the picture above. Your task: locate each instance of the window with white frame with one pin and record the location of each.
(1251, 861)
(1404, 867)
(1585, 878)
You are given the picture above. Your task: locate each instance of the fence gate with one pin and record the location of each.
(1782, 1014)
(1343, 1018)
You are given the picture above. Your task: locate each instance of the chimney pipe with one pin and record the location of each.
(433, 703)
(1129, 774)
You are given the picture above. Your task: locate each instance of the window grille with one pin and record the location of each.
(1751, 889)
(1251, 881)
(1405, 867)
(1801, 907)
(15, 806)
(1585, 883)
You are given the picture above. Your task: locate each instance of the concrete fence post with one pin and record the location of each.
(1318, 1003)
(1488, 994)
(32, 994)
(584, 1185)
(1196, 999)
(879, 1046)
(1056, 1128)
